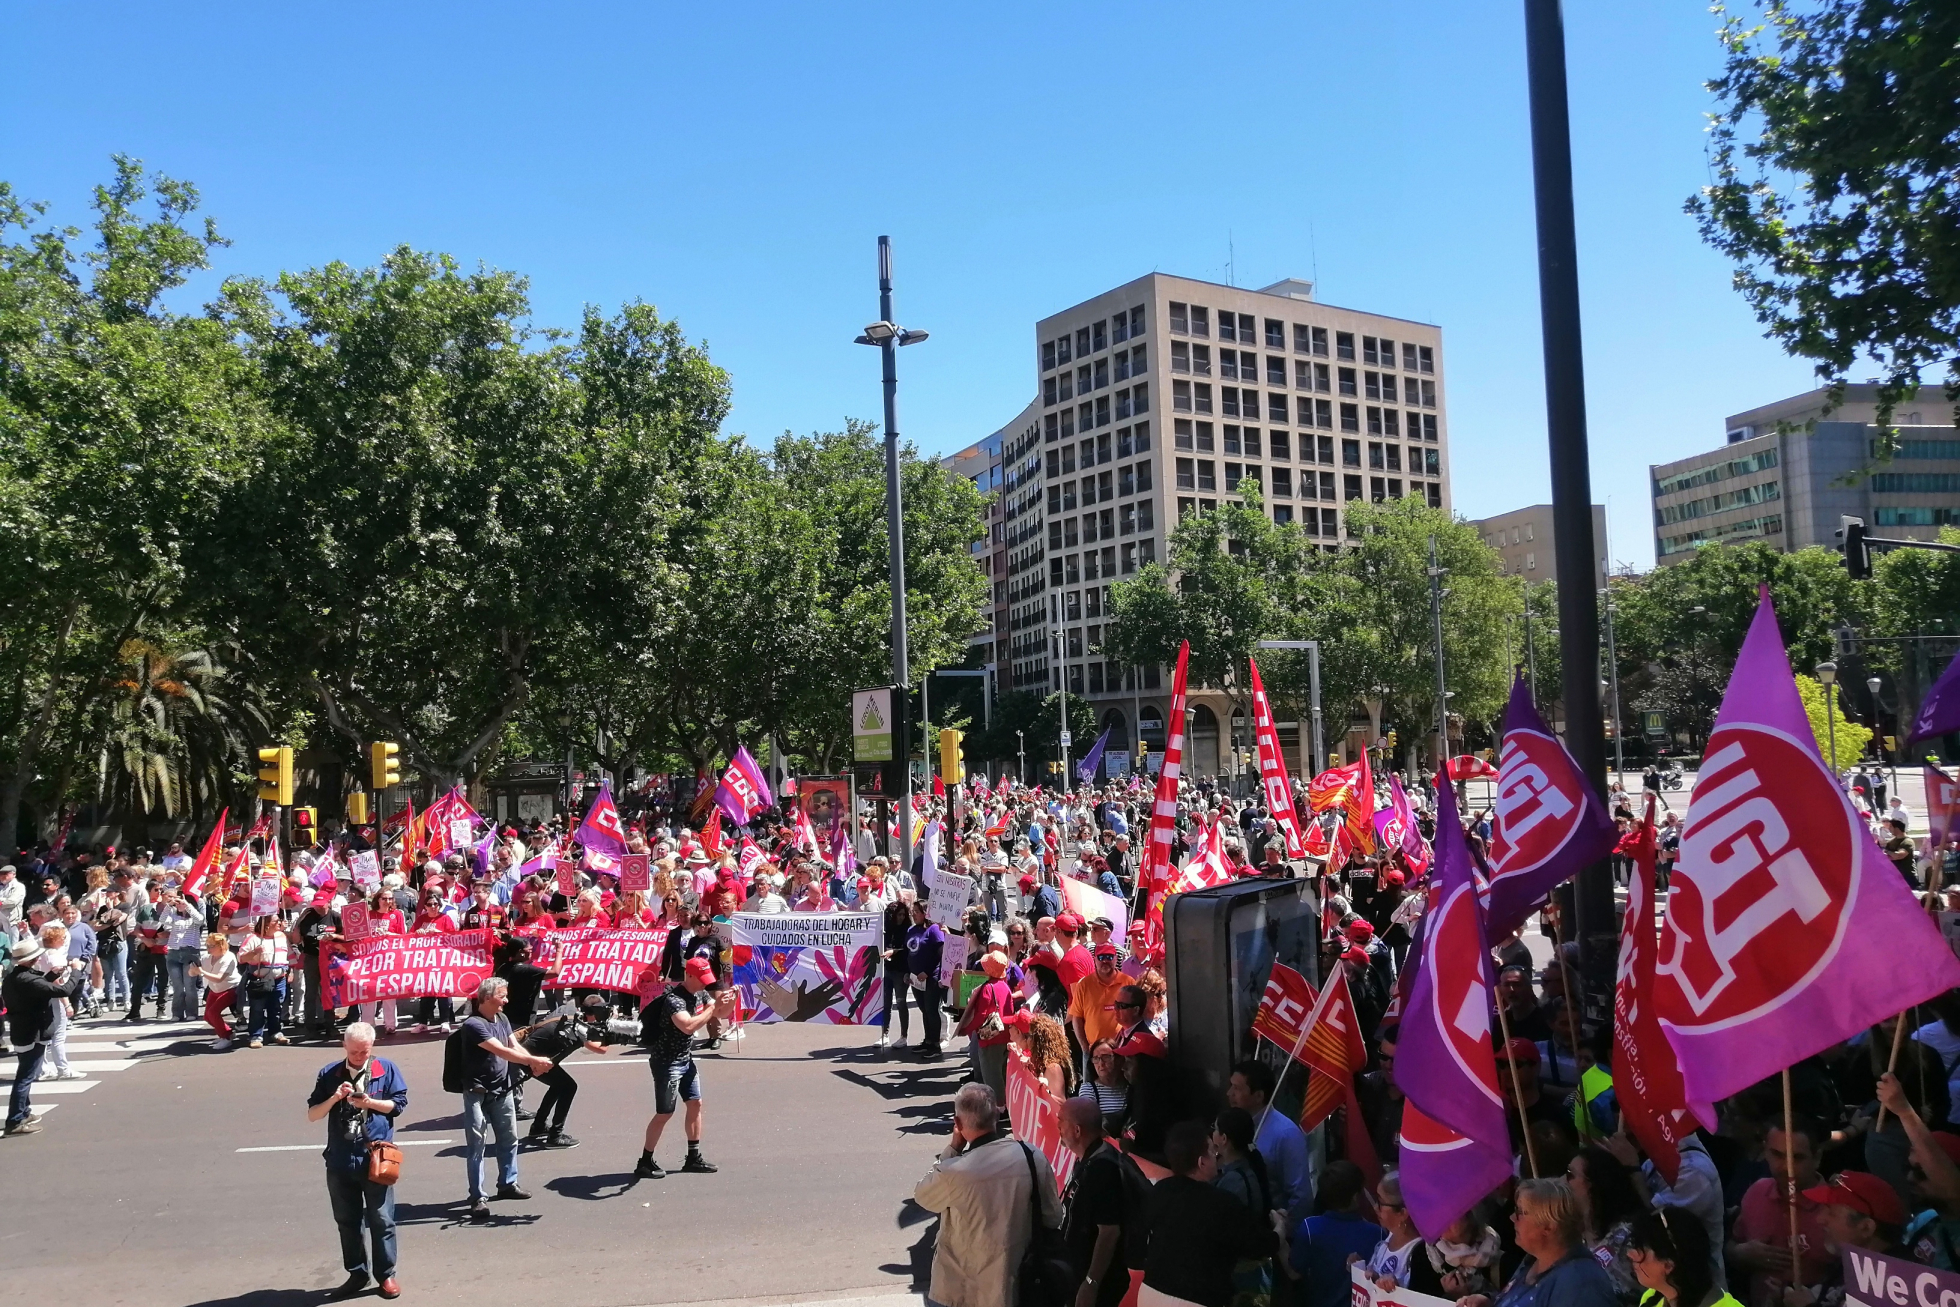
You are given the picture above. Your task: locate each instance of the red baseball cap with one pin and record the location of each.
(1021, 1021)
(1069, 922)
(1359, 929)
(1107, 951)
(1142, 1043)
(702, 970)
(1861, 1192)
(323, 898)
(1356, 955)
(1393, 878)
(1519, 1050)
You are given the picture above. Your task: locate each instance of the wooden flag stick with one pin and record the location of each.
(1891, 1065)
(1530, 1153)
(1789, 1135)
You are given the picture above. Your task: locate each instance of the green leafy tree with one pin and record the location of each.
(123, 424)
(1834, 147)
(1914, 601)
(1851, 739)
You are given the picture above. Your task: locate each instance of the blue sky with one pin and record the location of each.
(734, 164)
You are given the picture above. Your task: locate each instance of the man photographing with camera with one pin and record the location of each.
(362, 1095)
(668, 1025)
(560, 1034)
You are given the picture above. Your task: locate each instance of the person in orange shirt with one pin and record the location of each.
(1092, 1012)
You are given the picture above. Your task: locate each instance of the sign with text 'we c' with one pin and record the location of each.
(1875, 1280)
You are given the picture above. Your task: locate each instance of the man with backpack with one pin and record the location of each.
(667, 1028)
(473, 1065)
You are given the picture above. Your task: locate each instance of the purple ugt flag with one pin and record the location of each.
(1940, 714)
(1456, 1143)
(1787, 930)
(1551, 823)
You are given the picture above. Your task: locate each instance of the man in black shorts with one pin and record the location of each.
(668, 1025)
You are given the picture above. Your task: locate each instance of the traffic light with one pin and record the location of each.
(357, 808)
(276, 776)
(306, 828)
(1389, 743)
(384, 764)
(952, 761)
(1857, 554)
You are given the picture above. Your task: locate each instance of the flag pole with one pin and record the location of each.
(1524, 1124)
(1789, 1133)
(1892, 1062)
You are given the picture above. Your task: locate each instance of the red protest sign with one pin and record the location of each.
(408, 966)
(355, 920)
(635, 873)
(1037, 1119)
(593, 958)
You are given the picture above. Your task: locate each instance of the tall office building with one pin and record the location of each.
(1789, 472)
(1524, 540)
(1165, 396)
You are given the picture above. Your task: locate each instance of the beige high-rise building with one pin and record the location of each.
(1165, 396)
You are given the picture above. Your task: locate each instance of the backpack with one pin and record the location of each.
(455, 1063)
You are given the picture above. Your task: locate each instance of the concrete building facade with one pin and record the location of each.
(1788, 472)
(1524, 538)
(1165, 396)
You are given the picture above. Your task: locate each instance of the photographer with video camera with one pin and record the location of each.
(563, 1032)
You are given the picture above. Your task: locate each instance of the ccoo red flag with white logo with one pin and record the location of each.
(1272, 769)
(1646, 1081)
(1550, 822)
(1787, 929)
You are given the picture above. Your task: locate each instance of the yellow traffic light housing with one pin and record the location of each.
(952, 760)
(384, 764)
(276, 776)
(306, 828)
(357, 813)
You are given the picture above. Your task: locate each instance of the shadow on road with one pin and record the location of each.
(268, 1298)
(435, 1123)
(920, 1253)
(593, 1188)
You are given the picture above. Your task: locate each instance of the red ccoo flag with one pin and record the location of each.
(207, 857)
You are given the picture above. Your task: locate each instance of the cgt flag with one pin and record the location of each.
(1456, 1144)
(1272, 769)
(1550, 823)
(1787, 930)
(1646, 1081)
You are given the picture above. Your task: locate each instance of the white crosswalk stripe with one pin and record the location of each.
(100, 1048)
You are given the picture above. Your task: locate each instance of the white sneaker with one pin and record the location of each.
(221, 1044)
(899, 1042)
(68, 1073)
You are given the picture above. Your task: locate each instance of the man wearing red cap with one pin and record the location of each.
(1860, 1211)
(667, 1028)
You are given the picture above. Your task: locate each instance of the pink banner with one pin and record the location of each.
(408, 966)
(1037, 1120)
(592, 958)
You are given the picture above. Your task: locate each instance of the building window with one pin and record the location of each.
(1186, 474)
(1228, 401)
(1139, 361)
(1047, 356)
(1181, 397)
(1275, 334)
(1350, 417)
(1302, 338)
(1126, 518)
(1201, 396)
(1129, 559)
(1102, 410)
(1408, 357)
(1204, 438)
(1252, 442)
(1065, 386)
(1122, 361)
(1126, 480)
(1122, 404)
(1283, 514)
(1180, 320)
(1391, 423)
(1200, 320)
(1347, 381)
(1207, 474)
(1282, 483)
(1282, 445)
(1146, 555)
(1372, 382)
(1136, 322)
(1062, 354)
(1276, 407)
(1388, 386)
(1234, 473)
(1350, 487)
(1146, 510)
(1374, 420)
(1368, 351)
(1350, 453)
(1377, 489)
(1075, 678)
(1068, 423)
(1425, 360)
(1181, 430)
(1048, 428)
(1097, 340)
(1140, 398)
(1201, 360)
(1323, 414)
(1050, 392)
(1082, 342)
(1428, 394)
(1069, 537)
(1119, 328)
(1231, 434)
(1395, 458)
(1227, 327)
(1344, 345)
(1375, 454)
(1143, 428)
(1435, 495)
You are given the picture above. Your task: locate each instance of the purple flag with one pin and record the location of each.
(1940, 714)
(1787, 930)
(1550, 822)
(1456, 1144)
(484, 848)
(600, 834)
(744, 790)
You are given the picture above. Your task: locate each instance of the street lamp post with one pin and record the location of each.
(1827, 677)
(1021, 755)
(888, 336)
(1613, 673)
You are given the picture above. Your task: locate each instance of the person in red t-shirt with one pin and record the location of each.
(1075, 962)
(985, 1019)
(1759, 1242)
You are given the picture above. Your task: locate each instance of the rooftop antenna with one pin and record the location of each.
(1313, 247)
(1231, 258)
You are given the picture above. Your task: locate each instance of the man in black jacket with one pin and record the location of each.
(1198, 1232)
(31, 990)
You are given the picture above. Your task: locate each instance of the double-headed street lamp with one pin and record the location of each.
(888, 336)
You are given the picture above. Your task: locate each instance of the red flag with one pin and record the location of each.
(938, 786)
(1360, 807)
(1272, 769)
(1154, 872)
(1284, 1006)
(1333, 1051)
(1468, 766)
(1332, 787)
(1646, 1078)
(411, 839)
(711, 835)
(207, 857)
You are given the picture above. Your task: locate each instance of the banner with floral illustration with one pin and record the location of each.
(822, 967)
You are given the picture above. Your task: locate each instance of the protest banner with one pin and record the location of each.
(1876, 1280)
(407, 966)
(356, 920)
(635, 873)
(821, 967)
(265, 896)
(366, 867)
(1037, 1120)
(590, 957)
(1365, 1292)
(567, 879)
(1088, 903)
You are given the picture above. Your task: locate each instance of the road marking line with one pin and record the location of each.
(63, 1086)
(7, 1073)
(300, 1148)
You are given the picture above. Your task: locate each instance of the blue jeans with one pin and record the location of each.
(24, 1077)
(267, 1011)
(358, 1202)
(483, 1114)
(115, 976)
(182, 964)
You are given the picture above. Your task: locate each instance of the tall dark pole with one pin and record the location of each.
(1565, 422)
(895, 537)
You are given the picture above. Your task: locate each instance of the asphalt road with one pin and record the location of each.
(138, 1189)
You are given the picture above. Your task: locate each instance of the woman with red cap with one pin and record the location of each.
(985, 1019)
